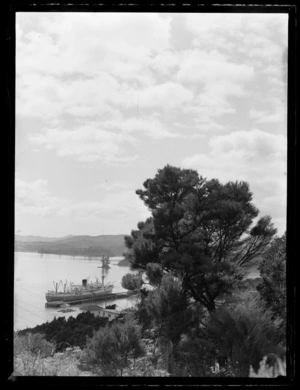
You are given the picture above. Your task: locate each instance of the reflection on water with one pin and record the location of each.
(35, 274)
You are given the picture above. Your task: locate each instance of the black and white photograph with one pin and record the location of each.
(150, 194)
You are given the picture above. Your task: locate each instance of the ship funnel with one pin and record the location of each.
(84, 282)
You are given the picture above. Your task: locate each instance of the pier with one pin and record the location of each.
(117, 295)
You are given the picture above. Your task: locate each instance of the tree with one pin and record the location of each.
(131, 282)
(194, 357)
(200, 230)
(154, 272)
(110, 349)
(243, 336)
(272, 287)
(169, 308)
(143, 245)
(72, 331)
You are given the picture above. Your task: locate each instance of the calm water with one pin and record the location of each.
(35, 274)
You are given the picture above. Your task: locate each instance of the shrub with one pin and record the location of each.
(110, 349)
(272, 287)
(30, 364)
(243, 335)
(71, 332)
(168, 306)
(33, 343)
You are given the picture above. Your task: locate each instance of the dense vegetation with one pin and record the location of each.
(198, 313)
(71, 332)
(87, 246)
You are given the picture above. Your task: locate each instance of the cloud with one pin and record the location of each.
(211, 67)
(168, 95)
(65, 43)
(254, 156)
(148, 126)
(268, 117)
(232, 50)
(112, 186)
(86, 143)
(166, 62)
(34, 198)
(226, 31)
(215, 78)
(97, 66)
(103, 89)
(106, 141)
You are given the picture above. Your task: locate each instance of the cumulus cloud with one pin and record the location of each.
(34, 198)
(212, 66)
(148, 126)
(238, 32)
(254, 156)
(166, 95)
(86, 143)
(96, 88)
(74, 39)
(246, 48)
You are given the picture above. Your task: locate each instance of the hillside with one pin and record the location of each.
(109, 245)
(18, 237)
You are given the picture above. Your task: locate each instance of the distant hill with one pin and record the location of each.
(90, 246)
(39, 238)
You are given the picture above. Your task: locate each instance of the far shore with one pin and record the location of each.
(122, 259)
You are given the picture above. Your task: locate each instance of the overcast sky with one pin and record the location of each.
(103, 100)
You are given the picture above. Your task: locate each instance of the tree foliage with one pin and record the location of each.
(34, 343)
(71, 332)
(194, 357)
(110, 349)
(242, 336)
(200, 230)
(272, 288)
(131, 282)
(169, 308)
(154, 272)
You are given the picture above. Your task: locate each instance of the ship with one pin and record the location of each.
(87, 291)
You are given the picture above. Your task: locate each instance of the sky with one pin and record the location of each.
(104, 100)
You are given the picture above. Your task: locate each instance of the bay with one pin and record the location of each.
(35, 274)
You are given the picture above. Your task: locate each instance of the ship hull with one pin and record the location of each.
(83, 296)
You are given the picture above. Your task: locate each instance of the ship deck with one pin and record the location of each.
(117, 295)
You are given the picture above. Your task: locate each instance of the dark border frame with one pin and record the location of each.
(10, 9)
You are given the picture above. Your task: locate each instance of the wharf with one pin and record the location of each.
(123, 294)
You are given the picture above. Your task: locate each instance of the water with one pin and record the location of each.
(35, 274)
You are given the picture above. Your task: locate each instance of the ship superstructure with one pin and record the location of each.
(69, 292)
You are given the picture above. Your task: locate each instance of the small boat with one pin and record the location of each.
(66, 310)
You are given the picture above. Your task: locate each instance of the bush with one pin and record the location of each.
(33, 343)
(243, 335)
(111, 348)
(272, 288)
(168, 306)
(131, 282)
(29, 364)
(34, 356)
(194, 357)
(71, 332)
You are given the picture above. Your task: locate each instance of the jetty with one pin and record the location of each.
(116, 295)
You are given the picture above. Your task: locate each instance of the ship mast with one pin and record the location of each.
(105, 264)
(103, 272)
